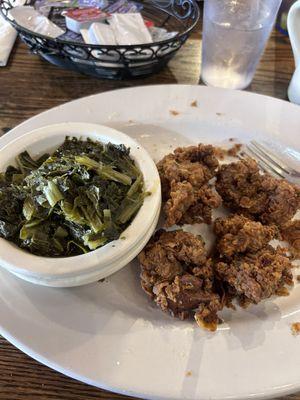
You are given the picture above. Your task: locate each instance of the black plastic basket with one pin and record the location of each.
(117, 62)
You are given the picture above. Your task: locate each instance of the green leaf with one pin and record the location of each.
(104, 171)
(93, 241)
(52, 193)
(26, 163)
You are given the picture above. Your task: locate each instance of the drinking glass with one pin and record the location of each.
(235, 33)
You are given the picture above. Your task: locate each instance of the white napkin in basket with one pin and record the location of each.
(7, 39)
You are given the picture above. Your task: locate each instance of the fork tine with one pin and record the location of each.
(248, 154)
(271, 157)
(263, 164)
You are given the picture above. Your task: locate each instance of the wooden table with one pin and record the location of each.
(28, 86)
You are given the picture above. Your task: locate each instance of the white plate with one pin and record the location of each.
(108, 334)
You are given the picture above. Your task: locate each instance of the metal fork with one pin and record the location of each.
(269, 162)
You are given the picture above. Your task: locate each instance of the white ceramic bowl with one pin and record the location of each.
(86, 268)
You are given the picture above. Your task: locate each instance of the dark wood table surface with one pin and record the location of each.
(29, 85)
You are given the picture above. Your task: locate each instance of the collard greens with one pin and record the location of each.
(80, 198)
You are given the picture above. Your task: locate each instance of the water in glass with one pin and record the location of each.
(234, 36)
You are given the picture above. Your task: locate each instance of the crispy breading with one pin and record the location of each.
(245, 190)
(256, 276)
(291, 233)
(187, 205)
(237, 234)
(177, 274)
(184, 175)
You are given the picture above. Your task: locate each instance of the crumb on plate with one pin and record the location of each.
(174, 112)
(295, 328)
(234, 150)
(194, 103)
(188, 373)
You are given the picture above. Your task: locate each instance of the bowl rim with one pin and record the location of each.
(22, 262)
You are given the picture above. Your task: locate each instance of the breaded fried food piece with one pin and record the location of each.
(239, 185)
(173, 171)
(283, 201)
(194, 164)
(256, 276)
(177, 274)
(238, 234)
(182, 197)
(245, 190)
(291, 233)
(206, 199)
(187, 205)
(184, 175)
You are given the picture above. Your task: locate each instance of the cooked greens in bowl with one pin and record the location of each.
(78, 199)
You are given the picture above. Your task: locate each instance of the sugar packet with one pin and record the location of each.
(32, 20)
(123, 7)
(130, 29)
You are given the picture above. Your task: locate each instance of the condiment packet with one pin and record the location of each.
(130, 29)
(29, 18)
(45, 6)
(102, 34)
(123, 7)
(86, 36)
(7, 39)
(71, 37)
(92, 3)
(159, 34)
(82, 18)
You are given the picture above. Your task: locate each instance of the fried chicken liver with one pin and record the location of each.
(237, 234)
(184, 175)
(177, 274)
(245, 190)
(249, 267)
(252, 277)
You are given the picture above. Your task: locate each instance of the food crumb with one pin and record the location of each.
(174, 112)
(220, 153)
(219, 114)
(231, 139)
(194, 103)
(123, 237)
(188, 373)
(295, 328)
(102, 280)
(233, 151)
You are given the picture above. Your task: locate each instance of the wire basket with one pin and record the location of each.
(117, 62)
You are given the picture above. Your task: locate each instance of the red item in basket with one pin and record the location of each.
(148, 23)
(86, 14)
(81, 18)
